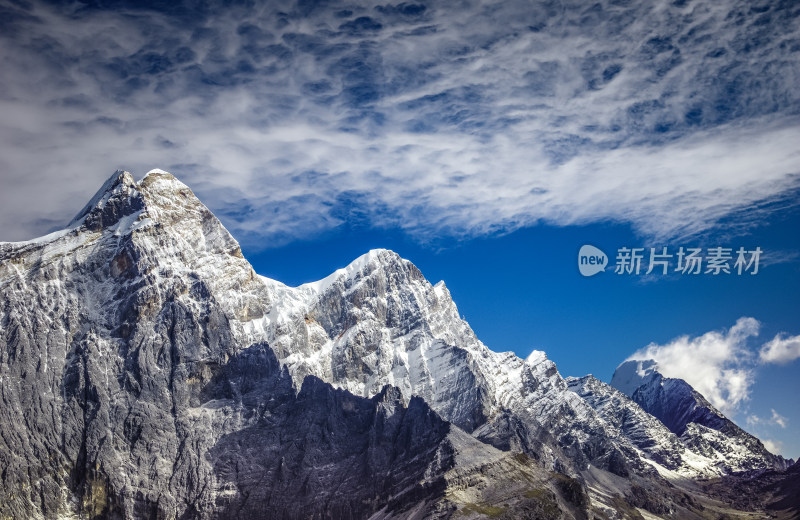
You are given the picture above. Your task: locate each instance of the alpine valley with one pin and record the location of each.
(146, 371)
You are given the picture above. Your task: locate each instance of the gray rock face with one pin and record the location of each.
(322, 453)
(643, 430)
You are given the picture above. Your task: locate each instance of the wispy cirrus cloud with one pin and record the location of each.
(289, 119)
(776, 419)
(766, 426)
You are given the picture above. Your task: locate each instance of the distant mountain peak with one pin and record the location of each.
(686, 413)
(672, 400)
(632, 374)
(375, 261)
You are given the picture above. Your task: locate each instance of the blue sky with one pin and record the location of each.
(484, 141)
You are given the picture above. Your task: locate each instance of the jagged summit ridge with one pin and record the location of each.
(375, 322)
(379, 321)
(137, 382)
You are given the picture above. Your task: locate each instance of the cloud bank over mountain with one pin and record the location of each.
(290, 119)
(722, 365)
(717, 364)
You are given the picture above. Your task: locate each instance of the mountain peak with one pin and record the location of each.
(536, 357)
(686, 413)
(674, 401)
(121, 196)
(379, 255)
(159, 204)
(158, 171)
(382, 260)
(157, 180)
(100, 210)
(632, 374)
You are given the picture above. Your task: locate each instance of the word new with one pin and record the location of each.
(591, 260)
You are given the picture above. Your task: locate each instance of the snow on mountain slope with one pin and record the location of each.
(699, 452)
(374, 323)
(644, 431)
(703, 429)
(145, 299)
(378, 321)
(125, 391)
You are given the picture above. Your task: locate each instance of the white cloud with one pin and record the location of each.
(450, 122)
(773, 446)
(717, 364)
(781, 349)
(778, 419)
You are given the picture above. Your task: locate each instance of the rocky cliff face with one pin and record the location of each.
(644, 431)
(128, 392)
(146, 371)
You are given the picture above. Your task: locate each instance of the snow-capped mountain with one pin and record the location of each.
(130, 387)
(644, 431)
(703, 429)
(378, 322)
(147, 371)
